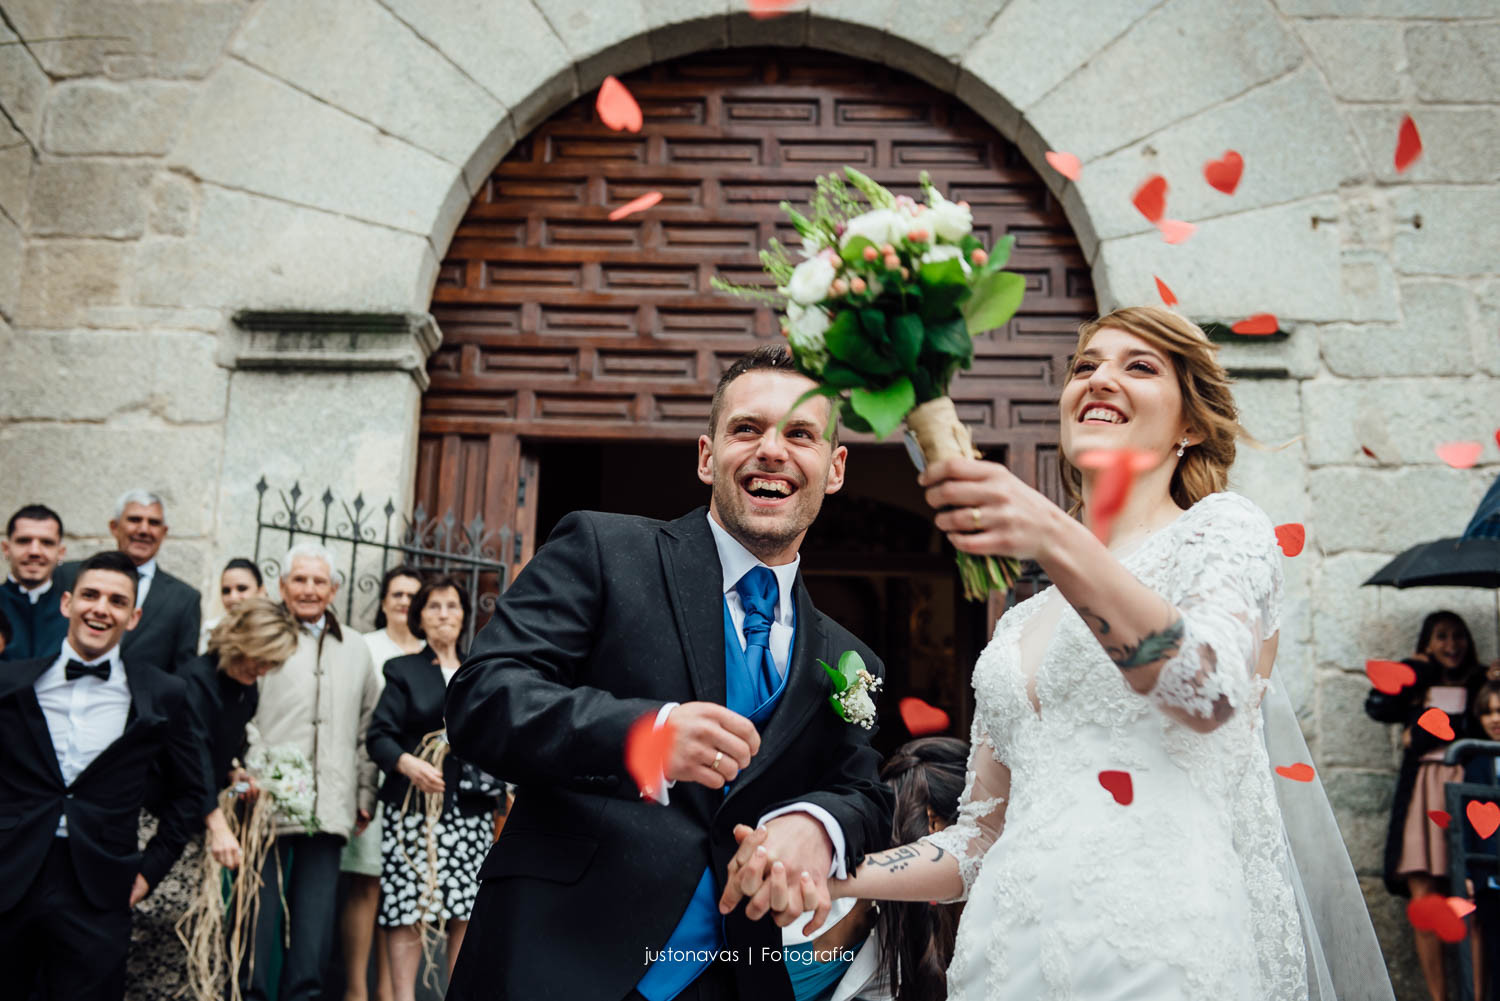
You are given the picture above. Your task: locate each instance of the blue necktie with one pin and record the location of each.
(758, 593)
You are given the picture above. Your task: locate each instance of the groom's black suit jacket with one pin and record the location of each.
(613, 617)
(103, 804)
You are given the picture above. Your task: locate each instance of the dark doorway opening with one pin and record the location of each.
(872, 561)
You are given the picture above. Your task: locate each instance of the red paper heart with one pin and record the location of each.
(1440, 818)
(762, 9)
(1175, 231)
(1167, 298)
(1260, 323)
(1065, 164)
(1433, 913)
(1300, 772)
(1460, 454)
(1119, 786)
(1150, 199)
(635, 205)
(1366, 449)
(921, 718)
(1437, 723)
(1389, 676)
(617, 107)
(1290, 537)
(646, 751)
(1224, 173)
(1117, 470)
(1484, 817)
(1408, 144)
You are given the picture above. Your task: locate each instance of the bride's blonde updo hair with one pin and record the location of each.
(1207, 404)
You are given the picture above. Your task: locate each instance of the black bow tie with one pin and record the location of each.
(77, 669)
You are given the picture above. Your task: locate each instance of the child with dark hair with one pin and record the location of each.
(892, 951)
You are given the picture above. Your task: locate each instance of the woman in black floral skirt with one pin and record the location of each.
(418, 883)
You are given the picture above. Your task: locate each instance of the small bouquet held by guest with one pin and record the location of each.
(282, 791)
(882, 312)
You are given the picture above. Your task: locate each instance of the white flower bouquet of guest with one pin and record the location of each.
(284, 774)
(882, 311)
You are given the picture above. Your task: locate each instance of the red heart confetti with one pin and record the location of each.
(1432, 912)
(646, 751)
(1408, 144)
(1290, 537)
(1440, 818)
(617, 107)
(1366, 449)
(1460, 454)
(1260, 323)
(1300, 772)
(1065, 164)
(1119, 785)
(1167, 297)
(1437, 723)
(1224, 173)
(635, 205)
(1150, 199)
(763, 9)
(1175, 231)
(1390, 676)
(1117, 471)
(921, 718)
(1463, 908)
(1484, 817)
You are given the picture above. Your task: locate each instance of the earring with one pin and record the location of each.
(1182, 447)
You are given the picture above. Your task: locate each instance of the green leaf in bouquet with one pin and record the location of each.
(848, 343)
(906, 338)
(841, 376)
(950, 338)
(884, 408)
(873, 320)
(999, 256)
(970, 243)
(996, 298)
(851, 419)
(949, 272)
(854, 251)
(877, 196)
(839, 681)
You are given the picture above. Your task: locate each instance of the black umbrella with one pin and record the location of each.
(1444, 563)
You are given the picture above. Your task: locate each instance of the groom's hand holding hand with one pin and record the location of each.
(712, 745)
(782, 869)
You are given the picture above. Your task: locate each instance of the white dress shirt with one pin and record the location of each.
(84, 716)
(33, 594)
(146, 572)
(737, 561)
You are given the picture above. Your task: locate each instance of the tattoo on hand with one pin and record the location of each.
(898, 859)
(1153, 647)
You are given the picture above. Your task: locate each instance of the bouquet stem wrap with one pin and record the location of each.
(941, 435)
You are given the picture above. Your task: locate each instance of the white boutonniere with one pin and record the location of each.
(854, 690)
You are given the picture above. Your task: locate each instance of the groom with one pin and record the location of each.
(594, 893)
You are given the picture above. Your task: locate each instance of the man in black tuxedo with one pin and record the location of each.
(171, 609)
(594, 893)
(33, 547)
(82, 732)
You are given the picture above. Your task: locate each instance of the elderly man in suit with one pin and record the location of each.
(171, 609)
(592, 893)
(33, 546)
(83, 730)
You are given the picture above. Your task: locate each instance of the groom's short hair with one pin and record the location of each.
(769, 358)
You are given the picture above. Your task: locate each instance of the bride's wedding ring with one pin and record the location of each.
(717, 758)
(974, 513)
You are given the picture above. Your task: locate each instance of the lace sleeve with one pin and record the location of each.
(1226, 583)
(981, 809)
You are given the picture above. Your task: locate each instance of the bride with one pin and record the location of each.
(1149, 656)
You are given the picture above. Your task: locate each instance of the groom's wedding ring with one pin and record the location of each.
(717, 758)
(974, 513)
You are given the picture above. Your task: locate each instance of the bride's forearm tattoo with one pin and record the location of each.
(897, 859)
(1152, 647)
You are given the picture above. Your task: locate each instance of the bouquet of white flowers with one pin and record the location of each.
(882, 311)
(284, 774)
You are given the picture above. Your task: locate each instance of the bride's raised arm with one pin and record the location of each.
(941, 866)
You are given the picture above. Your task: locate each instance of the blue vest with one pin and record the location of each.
(700, 933)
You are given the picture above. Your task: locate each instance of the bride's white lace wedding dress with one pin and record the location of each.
(1184, 893)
